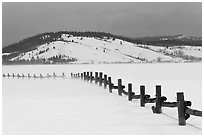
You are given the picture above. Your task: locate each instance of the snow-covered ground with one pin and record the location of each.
(73, 106)
(193, 51)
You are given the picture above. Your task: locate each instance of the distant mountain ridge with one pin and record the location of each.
(99, 47)
(181, 39)
(180, 36)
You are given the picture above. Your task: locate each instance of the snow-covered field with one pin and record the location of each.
(72, 106)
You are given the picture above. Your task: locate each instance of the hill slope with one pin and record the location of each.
(93, 47)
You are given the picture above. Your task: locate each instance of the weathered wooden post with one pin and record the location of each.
(84, 75)
(96, 77)
(105, 81)
(18, 75)
(110, 84)
(23, 75)
(13, 75)
(158, 99)
(181, 108)
(8, 75)
(129, 92)
(91, 77)
(81, 76)
(100, 78)
(142, 95)
(87, 76)
(120, 87)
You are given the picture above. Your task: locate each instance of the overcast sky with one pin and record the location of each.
(21, 20)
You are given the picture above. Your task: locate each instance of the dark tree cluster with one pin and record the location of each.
(167, 43)
(62, 59)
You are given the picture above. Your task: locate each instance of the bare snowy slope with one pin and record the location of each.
(80, 49)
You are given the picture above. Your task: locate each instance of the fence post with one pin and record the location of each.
(91, 77)
(100, 78)
(105, 81)
(120, 87)
(96, 77)
(110, 84)
(87, 76)
(54, 74)
(129, 92)
(158, 99)
(84, 75)
(142, 95)
(181, 109)
(81, 76)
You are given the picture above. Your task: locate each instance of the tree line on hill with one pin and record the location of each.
(32, 42)
(57, 59)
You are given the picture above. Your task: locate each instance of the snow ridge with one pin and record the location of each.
(76, 49)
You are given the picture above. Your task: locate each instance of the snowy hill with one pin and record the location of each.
(68, 48)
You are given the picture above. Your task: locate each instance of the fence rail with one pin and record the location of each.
(160, 101)
(184, 112)
(33, 75)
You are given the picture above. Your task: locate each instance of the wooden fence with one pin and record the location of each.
(184, 111)
(33, 75)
